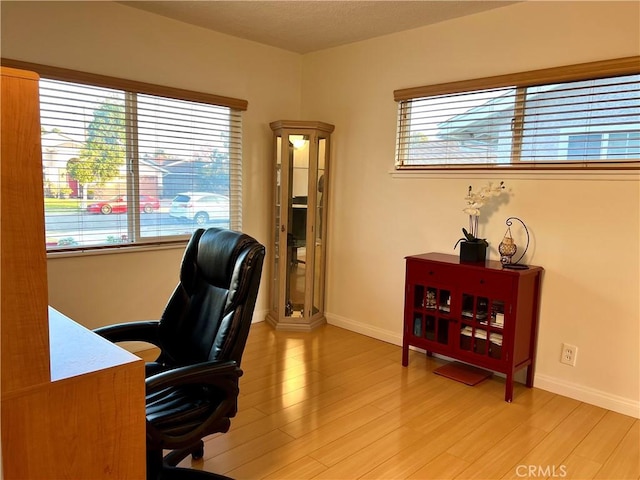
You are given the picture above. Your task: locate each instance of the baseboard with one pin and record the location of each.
(259, 316)
(581, 393)
(592, 396)
(364, 329)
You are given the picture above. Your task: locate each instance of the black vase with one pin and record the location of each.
(473, 251)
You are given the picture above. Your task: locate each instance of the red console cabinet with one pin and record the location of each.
(477, 313)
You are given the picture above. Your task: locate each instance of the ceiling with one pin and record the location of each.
(308, 26)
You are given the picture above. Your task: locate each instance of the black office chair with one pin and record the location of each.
(192, 387)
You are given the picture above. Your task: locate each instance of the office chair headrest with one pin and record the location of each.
(217, 252)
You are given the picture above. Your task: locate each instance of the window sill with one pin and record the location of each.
(632, 175)
(113, 250)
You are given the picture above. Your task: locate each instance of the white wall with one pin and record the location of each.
(112, 39)
(585, 228)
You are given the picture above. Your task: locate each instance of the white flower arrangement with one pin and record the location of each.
(475, 201)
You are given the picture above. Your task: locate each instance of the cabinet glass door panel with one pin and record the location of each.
(467, 305)
(443, 331)
(430, 327)
(444, 301)
(475, 308)
(497, 313)
(319, 182)
(435, 304)
(430, 302)
(278, 221)
(297, 225)
(482, 309)
(417, 325)
(418, 296)
(480, 341)
(495, 345)
(466, 337)
(482, 324)
(473, 339)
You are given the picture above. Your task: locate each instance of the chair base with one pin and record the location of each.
(177, 473)
(174, 457)
(165, 468)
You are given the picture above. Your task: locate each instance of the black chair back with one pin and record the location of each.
(209, 314)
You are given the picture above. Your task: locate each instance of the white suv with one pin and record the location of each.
(201, 207)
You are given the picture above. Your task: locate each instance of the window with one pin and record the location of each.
(624, 145)
(127, 166)
(584, 147)
(530, 120)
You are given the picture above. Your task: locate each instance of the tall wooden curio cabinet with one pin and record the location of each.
(301, 187)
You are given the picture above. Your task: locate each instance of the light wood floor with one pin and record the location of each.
(336, 405)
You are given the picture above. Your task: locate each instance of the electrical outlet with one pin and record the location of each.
(569, 354)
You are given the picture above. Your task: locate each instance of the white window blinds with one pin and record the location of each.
(122, 167)
(518, 122)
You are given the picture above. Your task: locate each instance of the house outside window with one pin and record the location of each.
(518, 122)
(125, 168)
(584, 147)
(624, 145)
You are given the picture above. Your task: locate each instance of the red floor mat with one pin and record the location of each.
(464, 373)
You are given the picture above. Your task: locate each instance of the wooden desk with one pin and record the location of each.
(72, 404)
(87, 422)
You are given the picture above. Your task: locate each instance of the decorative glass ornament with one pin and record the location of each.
(507, 247)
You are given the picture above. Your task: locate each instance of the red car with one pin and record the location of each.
(118, 204)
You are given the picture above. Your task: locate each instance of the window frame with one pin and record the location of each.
(521, 80)
(131, 89)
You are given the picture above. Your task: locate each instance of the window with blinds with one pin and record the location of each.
(123, 168)
(525, 120)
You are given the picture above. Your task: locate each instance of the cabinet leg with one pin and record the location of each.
(508, 389)
(530, 376)
(405, 355)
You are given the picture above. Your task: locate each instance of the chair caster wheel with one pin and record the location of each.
(198, 453)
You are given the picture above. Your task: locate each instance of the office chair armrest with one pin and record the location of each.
(143, 331)
(213, 373)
